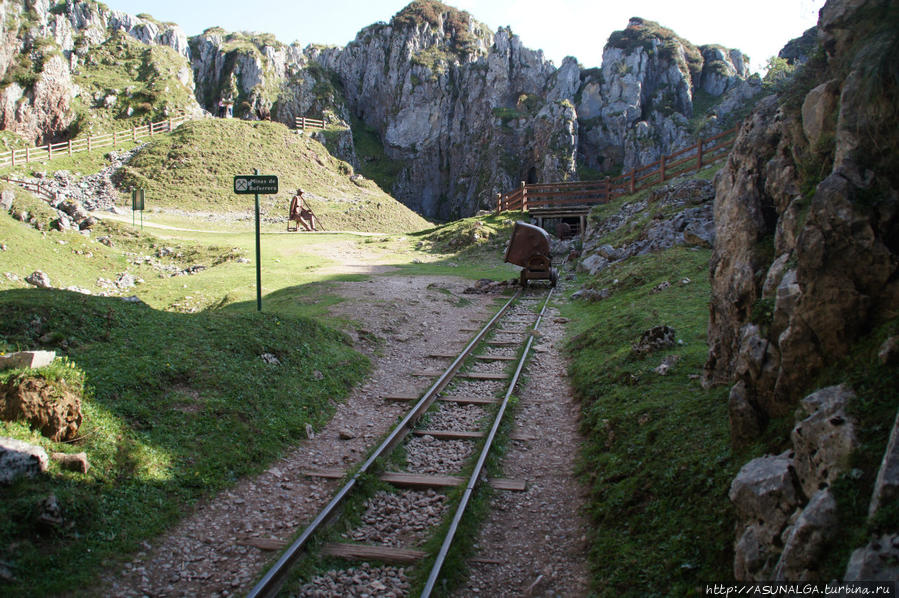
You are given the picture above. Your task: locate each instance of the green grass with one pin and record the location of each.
(174, 410)
(193, 169)
(657, 458)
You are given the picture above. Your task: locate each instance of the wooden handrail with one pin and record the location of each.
(596, 192)
(91, 142)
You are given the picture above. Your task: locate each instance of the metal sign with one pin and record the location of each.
(137, 199)
(250, 184)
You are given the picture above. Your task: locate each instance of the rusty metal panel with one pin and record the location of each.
(527, 240)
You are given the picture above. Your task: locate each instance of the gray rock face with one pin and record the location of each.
(639, 106)
(877, 561)
(825, 440)
(765, 495)
(692, 225)
(833, 274)
(786, 513)
(886, 486)
(806, 539)
(467, 122)
(19, 459)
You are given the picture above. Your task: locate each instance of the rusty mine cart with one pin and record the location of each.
(529, 248)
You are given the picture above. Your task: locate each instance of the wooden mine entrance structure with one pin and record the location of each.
(571, 202)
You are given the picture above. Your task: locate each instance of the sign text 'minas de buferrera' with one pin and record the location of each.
(250, 184)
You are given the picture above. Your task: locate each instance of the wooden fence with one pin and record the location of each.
(89, 143)
(588, 193)
(304, 122)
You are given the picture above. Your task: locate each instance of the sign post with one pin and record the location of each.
(137, 205)
(254, 184)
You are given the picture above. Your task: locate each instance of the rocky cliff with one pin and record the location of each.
(459, 113)
(49, 67)
(654, 93)
(805, 273)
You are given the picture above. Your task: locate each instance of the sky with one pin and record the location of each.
(560, 28)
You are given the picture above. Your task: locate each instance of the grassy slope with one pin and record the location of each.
(657, 456)
(174, 408)
(143, 79)
(194, 168)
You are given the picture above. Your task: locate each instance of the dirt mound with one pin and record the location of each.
(51, 407)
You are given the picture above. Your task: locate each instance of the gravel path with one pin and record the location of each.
(535, 542)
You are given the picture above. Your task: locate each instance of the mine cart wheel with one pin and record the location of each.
(523, 280)
(553, 276)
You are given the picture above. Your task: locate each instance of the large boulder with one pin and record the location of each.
(19, 459)
(806, 540)
(825, 440)
(765, 496)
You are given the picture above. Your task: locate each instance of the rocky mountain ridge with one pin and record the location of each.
(463, 112)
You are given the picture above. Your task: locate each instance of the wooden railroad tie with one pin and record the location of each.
(458, 400)
(465, 435)
(404, 479)
(366, 552)
(503, 343)
(470, 375)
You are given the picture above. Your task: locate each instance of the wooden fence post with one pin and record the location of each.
(499, 203)
(70, 147)
(170, 125)
(662, 167)
(49, 151)
(115, 139)
(12, 153)
(699, 154)
(134, 133)
(634, 181)
(27, 154)
(524, 197)
(89, 143)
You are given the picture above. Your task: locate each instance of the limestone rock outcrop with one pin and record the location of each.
(786, 513)
(43, 44)
(810, 259)
(804, 271)
(640, 104)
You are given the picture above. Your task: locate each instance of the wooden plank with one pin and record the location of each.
(496, 357)
(420, 480)
(458, 400)
(399, 397)
(467, 434)
(450, 434)
(264, 543)
(426, 374)
(367, 552)
(483, 376)
(469, 400)
(503, 343)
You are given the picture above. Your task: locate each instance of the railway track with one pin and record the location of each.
(462, 410)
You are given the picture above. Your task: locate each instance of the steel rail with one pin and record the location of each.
(275, 577)
(482, 458)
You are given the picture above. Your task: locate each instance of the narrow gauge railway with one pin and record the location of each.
(462, 409)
